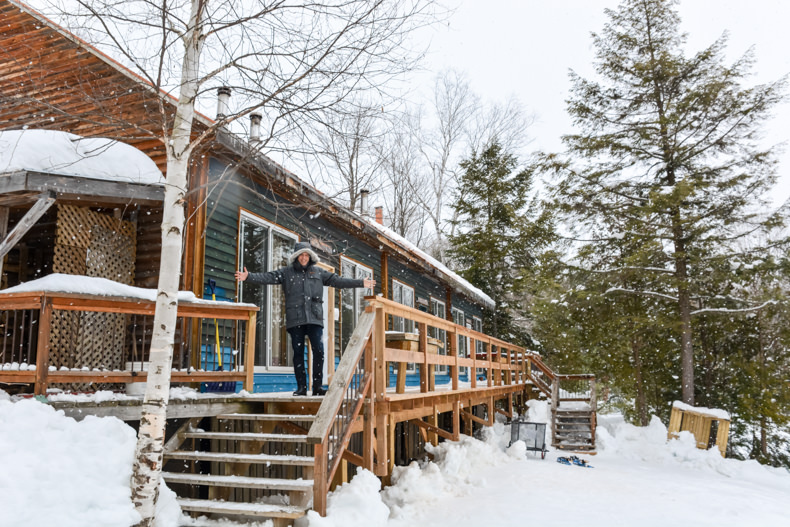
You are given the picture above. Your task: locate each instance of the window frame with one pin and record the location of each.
(437, 333)
(463, 340)
(247, 216)
(358, 302)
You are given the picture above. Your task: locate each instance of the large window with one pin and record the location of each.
(463, 342)
(352, 301)
(402, 294)
(264, 247)
(439, 309)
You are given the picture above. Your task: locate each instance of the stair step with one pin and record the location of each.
(268, 417)
(242, 436)
(241, 458)
(245, 482)
(586, 447)
(260, 510)
(573, 413)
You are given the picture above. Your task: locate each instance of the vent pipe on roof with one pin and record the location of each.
(223, 100)
(255, 127)
(380, 215)
(363, 201)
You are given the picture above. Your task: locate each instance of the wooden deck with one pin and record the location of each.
(308, 438)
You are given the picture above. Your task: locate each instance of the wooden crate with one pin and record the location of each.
(702, 424)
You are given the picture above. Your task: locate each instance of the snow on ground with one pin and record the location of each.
(58, 471)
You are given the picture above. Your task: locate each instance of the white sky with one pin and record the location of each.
(526, 47)
(58, 471)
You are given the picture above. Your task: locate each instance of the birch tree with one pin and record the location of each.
(288, 61)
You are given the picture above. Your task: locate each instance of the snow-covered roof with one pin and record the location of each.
(451, 276)
(62, 153)
(712, 412)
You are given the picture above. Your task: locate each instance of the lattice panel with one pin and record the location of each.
(63, 338)
(111, 255)
(70, 260)
(101, 338)
(99, 245)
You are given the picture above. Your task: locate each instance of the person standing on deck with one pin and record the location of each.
(303, 286)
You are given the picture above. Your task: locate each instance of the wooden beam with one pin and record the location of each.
(3, 232)
(42, 351)
(385, 274)
(249, 353)
(41, 206)
(432, 429)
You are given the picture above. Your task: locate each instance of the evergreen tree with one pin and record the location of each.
(499, 233)
(666, 161)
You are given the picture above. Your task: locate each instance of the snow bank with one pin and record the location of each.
(62, 153)
(59, 471)
(483, 482)
(65, 466)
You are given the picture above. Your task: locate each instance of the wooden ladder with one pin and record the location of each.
(248, 467)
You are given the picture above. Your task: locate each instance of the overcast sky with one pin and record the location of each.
(526, 47)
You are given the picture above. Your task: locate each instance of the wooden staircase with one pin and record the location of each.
(573, 429)
(247, 467)
(573, 405)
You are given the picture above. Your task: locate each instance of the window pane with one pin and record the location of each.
(254, 256)
(282, 247)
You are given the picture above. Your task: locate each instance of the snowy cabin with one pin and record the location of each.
(81, 175)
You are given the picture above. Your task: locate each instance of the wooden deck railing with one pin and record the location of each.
(348, 391)
(493, 362)
(77, 339)
(362, 380)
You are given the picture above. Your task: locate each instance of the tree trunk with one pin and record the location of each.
(151, 436)
(684, 306)
(641, 399)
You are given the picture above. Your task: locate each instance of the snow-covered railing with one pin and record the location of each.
(53, 337)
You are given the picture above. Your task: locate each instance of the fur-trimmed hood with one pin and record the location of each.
(303, 247)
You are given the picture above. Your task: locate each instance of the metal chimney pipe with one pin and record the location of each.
(255, 127)
(363, 201)
(223, 99)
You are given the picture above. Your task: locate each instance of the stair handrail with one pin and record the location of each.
(344, 399)
(533, 359)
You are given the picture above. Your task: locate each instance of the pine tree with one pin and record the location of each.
(499, 234)
(666, 160)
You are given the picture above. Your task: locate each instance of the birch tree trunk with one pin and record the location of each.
(151, 436)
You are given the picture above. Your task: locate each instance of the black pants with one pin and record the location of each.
(314, 332)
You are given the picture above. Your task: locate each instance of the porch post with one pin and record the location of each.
(42, 349)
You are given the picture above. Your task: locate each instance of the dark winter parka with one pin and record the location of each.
(303, 287)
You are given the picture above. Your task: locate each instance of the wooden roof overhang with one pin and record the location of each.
(23, 188)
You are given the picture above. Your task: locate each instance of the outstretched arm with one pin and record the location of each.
(272, 277)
